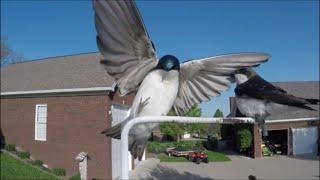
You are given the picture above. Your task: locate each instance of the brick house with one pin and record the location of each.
(56, 108)
(296, 131)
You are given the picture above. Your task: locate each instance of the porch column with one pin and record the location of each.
(257, 152)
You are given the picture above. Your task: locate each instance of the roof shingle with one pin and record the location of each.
(64, 72)
(304, 89)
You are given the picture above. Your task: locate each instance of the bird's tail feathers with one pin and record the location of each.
(313, 101)
(137, 149)
(307, 107)
(115, 131)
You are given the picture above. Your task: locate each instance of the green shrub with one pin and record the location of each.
(266, 151)
(226, 131)
(59, 171)
(188, 145)
(10, 147)
(37, 162)
(211, 143)
(245, 139)
(158, 147)
(75, 177)
(23, 155)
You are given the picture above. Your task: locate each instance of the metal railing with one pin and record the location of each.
(158, 119)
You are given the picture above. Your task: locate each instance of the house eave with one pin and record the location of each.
(293, 120)
(54, 92)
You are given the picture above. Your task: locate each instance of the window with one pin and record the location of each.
(41, 122)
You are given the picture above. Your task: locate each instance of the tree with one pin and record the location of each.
(195, 111)
(218, 113)
(5, 50)
(215, 129)
(178, 129)
(7, 55)
(175, 130)
(172, 129)
(172, 112)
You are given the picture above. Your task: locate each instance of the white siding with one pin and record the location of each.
(119, 113)
(41, 122)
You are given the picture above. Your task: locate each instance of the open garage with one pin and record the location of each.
(294, 136)
(303, 140)
(278, 141)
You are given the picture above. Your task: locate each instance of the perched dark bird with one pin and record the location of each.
(129, 56)
(257, 98)
(252, 177)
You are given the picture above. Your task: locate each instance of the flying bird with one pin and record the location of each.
(130, 57)
(257, 98)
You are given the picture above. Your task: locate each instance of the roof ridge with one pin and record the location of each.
(294, 81)
(52, 57)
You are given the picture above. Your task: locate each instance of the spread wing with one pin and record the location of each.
(204, 78)
(258, 88)
(128, 53)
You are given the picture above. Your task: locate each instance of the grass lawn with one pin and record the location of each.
(165, 158)
(217, 156)
(213, 157)
(12, 168)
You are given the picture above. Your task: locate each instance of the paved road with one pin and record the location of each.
(280, 167)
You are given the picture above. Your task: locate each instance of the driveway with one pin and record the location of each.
(277, 167)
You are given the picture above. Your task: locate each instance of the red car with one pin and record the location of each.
(198, 157)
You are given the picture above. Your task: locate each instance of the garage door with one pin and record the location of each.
(304, 140)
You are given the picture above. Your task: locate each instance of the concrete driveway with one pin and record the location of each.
(277, 167)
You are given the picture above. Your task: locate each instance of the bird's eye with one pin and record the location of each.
(169, 65)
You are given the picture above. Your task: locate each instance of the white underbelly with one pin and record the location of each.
(251, 107)
(159, 95)
(255, 107)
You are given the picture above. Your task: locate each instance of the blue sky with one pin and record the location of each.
(288, 30)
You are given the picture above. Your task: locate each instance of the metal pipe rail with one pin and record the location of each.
(158, 119)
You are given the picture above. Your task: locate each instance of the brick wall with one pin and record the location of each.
(73, 125)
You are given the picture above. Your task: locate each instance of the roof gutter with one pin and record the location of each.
(54, 91)
(292, 120)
